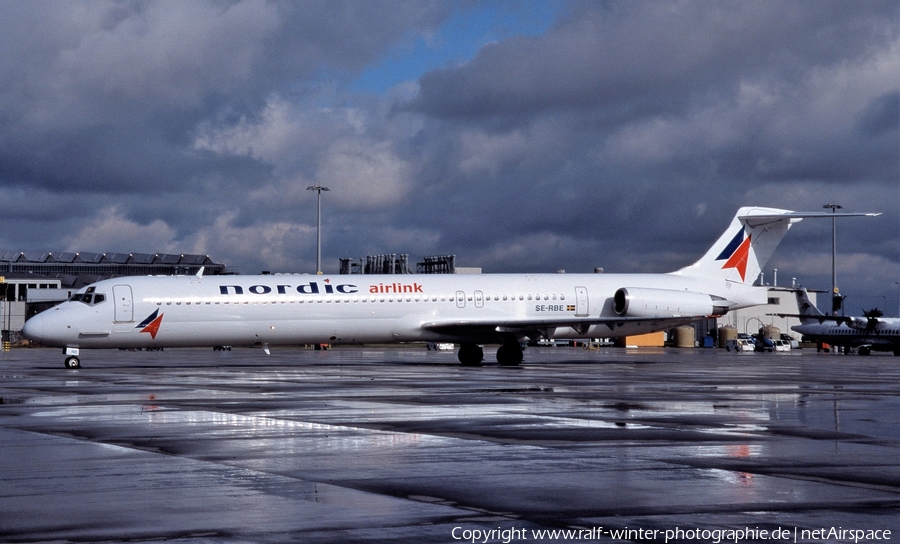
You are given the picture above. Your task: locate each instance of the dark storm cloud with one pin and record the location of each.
(880, 116)
(107, 82)
(627, 58)
(100, 102)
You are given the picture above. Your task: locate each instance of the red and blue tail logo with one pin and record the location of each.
(736, 254)
(151, 324)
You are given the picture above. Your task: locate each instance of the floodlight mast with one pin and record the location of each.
(318, 189)
(835, 297)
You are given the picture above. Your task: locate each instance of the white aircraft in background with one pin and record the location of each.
(192, 311)
(868, 333)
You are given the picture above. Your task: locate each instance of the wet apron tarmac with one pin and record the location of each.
(406, 445)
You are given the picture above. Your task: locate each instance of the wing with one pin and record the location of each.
(543, 327)
(820, 318)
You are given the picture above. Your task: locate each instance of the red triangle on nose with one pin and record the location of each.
(153, 327)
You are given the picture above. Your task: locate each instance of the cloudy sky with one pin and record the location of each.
(519, 135)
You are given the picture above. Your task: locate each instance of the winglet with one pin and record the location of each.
(200, 272)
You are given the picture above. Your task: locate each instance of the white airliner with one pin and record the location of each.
(186, 311)
(867, 333)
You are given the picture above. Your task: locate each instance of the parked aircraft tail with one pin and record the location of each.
(740, 254)
(808, 311)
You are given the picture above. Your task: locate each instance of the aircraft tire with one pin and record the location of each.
(470, 354)
(72, 362)
(509, 355)
(864, 351)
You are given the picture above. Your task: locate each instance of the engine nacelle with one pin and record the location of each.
(860, 323)
(647, 302)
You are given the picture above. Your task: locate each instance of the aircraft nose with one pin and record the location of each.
(34, 329)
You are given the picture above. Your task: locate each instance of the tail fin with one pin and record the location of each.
(740, 254)
(808, 311)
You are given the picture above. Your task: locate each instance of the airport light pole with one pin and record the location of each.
(318, 189)
(835, 297)
(897, 283)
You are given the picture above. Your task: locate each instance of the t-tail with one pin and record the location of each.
(740, 254)
(808, 311)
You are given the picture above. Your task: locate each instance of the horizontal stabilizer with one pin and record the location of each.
(806, 215)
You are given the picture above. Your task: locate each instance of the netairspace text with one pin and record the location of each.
(678, 534)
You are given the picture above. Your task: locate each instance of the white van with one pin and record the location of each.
(781, 345)
(739, 344)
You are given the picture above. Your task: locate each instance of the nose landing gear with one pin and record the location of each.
(72, 362)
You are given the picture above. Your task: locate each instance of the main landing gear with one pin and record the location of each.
(509, 354)
(470, 354)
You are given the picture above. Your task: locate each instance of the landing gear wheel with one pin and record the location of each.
(470, 354)
(509, 355)
(865, 350)
(72, 362)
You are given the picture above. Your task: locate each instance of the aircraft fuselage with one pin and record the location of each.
(156, 311)
(885, 336)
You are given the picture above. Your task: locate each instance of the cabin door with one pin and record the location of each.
(581, 302)
(124, 305)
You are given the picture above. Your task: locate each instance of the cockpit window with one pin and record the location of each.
(89, 297)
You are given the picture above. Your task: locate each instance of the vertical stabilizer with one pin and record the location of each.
(808, 311)
(740, 254)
